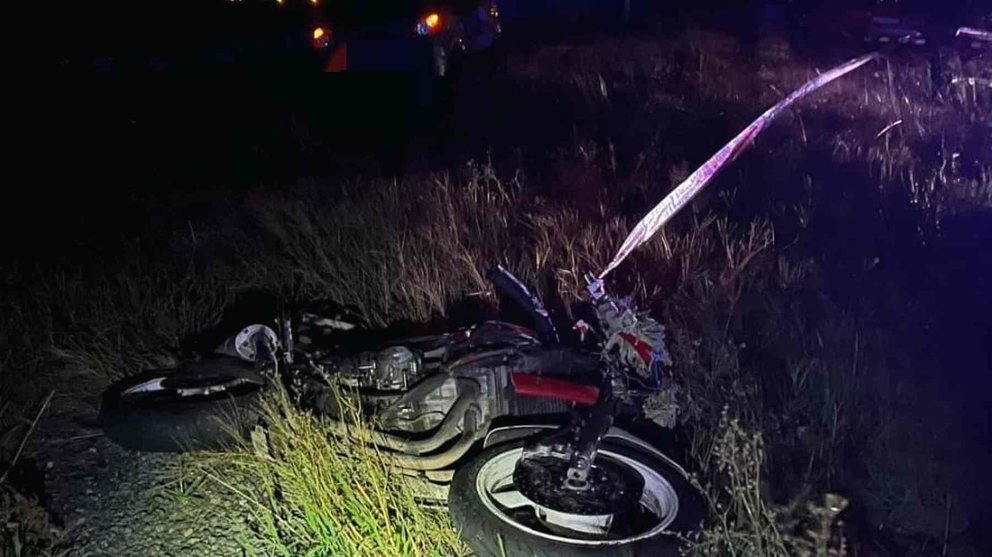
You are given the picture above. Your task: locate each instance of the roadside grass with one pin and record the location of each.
(787, 392)
(26, 527)
(307, 491)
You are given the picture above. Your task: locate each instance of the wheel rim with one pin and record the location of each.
(494, 486)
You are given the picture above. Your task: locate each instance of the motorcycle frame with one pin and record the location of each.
(467, 423)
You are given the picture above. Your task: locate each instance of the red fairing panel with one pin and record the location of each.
(529, 384)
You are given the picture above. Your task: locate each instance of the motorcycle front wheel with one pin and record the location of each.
(201, 406)
(496, 519)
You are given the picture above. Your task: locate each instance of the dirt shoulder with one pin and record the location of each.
(116, 502)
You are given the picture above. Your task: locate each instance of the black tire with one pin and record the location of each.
(167, 422)
(490, 535)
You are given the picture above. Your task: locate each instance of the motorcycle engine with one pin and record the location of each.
(391, 369)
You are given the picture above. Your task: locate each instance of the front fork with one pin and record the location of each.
(589, 430)
(578, 442)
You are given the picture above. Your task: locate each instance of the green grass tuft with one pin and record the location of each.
(307, 492)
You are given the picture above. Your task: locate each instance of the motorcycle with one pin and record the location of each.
(518, 425)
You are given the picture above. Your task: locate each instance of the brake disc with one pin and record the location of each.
(613, 488)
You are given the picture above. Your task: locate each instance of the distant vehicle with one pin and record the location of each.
(264, 35)
(896, 24)
(890, 27)
(382, 35)
(878, 25)
(975, 38)
(893, 29)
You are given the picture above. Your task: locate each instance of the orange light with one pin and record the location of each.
(432, 21)
(314, 2)
(318, 33)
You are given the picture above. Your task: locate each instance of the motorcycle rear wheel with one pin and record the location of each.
(202, 406)
(496, 520)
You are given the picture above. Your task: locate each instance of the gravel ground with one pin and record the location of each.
(119, 503)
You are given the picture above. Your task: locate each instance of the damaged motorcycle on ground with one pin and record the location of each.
(516, 424)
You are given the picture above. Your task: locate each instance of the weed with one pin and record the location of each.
(308, 492)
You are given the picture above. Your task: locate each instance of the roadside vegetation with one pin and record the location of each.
(307, 491)
(783, 288)
(26, 528)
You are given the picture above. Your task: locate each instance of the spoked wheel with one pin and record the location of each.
(636, 505)
(204, 405)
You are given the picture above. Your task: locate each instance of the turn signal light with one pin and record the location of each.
(429, 24)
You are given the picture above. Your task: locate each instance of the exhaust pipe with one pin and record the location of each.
(457, 422)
